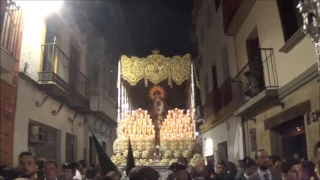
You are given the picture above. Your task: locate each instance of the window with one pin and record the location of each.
(70, 147)
(95, 77)
(208, 17)
(201, 35)
(208, 147)
(42, 140)
(225, 62)
(214, 77)
(291, 19)
(217, 4)
(104, 145)
(206, 86)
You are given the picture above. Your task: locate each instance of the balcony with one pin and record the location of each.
(257, 83)
(234, 14)
(102, 103)
(10, 30)
(62, 82)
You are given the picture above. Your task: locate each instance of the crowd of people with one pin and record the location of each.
(40, 169)
(262, 167)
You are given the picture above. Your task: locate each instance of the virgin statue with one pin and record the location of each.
(158, 113)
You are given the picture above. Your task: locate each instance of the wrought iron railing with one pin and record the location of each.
(55, 61)
(258, 74)
(82, 84)
(11, 17)
(56, 68)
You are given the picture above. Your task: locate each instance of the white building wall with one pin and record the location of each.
(26, 110)
(31, 54)
(265, 17)
(230, 131)
(101, 137)
(215, 40)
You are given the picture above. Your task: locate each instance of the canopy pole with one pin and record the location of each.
(193, 99)
(119, 103)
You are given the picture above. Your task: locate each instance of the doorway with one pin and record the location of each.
(255, 59)
(223, 151)
(292, 145)
(293, 138)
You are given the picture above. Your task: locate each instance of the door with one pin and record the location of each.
(223, 151)
(49, 49)
(92, 152)
(70, 147)
(255, 61)
(295, 144)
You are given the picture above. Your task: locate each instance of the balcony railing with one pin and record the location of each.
(11, 18)
(55, 66)
(258, 74)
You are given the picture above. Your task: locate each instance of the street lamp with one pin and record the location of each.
(310, 11)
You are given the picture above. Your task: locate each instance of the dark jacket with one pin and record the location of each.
(275, 175)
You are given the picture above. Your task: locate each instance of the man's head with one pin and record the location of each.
(40, 163)
(27, 164)
(220, 167)
(113, 176)
(199, 171)
(262, 159)
(50, 169)
(250, 167)
(69, 171)
(90, 173)
(274, 159)
(183, 161)
(294, 169)
(296, 157)
(143, 173)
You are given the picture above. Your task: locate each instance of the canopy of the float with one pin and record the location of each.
(155, 68)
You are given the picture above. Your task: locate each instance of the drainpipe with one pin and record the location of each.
(244, 138)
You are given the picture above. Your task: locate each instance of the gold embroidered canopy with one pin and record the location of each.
(156, 68)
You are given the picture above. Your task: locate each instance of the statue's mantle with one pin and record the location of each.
(163, 170)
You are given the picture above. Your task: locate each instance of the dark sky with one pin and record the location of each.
(152, 24)
(164, 25)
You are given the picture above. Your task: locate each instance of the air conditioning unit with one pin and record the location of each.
(34, 135)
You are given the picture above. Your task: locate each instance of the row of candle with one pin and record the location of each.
(177, 126)
(137, 124)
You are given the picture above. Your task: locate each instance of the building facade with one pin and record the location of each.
(103, 94)
(221, 131)
(53, 86)
(277, 76)
(67, 81)
(10, 29)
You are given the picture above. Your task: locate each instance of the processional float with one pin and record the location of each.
(160, 135)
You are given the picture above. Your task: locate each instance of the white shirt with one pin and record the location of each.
(262, 174)
(246, 176)
(78, 175)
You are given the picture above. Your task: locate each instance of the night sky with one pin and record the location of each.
(152, 24)
(163, 25)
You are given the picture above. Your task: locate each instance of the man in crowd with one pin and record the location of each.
(50, 170)
(220, 170)
(27, 166)
(199, 171)
(264, 172)
(250, 167)
(69, 171)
